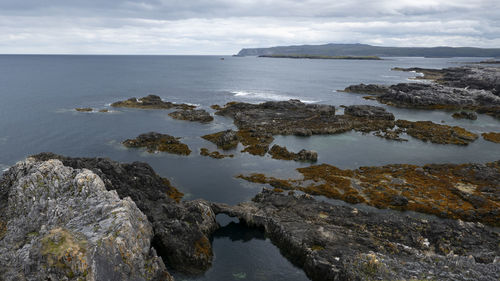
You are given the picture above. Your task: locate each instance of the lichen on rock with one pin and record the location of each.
(62, 224)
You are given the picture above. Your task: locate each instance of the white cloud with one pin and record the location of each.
(225, 26)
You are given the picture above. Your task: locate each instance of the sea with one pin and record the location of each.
(39, 94)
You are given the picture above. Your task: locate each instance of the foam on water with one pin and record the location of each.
(267, 96)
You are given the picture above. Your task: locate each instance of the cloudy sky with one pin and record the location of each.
(225, 26)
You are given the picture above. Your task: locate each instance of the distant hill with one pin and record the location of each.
(368, 50)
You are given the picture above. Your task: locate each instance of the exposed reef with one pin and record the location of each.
(259, 122)
(60, 223)
(151, 102)
(280, 152)
(181, 229)
(155, 142)
(493, 137)
(199, 115)
(471, 88)
(469, 192)
(84, 109)
(214, 154)
(343, 243)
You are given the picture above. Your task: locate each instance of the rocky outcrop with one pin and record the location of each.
(151, 102)
(279, 152)
(214, 154)
(155, 142)
(181, 229)
(61, 223)
(84, 109)
(199, 115)
(468, 192)
(465, 115)
(224, 140)
(473, 77)
(370, 89)
(332, 242)
(493, 137)
(257, 124)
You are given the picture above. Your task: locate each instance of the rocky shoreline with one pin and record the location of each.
(330, 242)
(151, 102)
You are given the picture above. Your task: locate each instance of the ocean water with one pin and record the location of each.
(39, 93)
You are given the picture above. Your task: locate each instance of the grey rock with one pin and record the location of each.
(465, 115)
(62, 224)
(332, 242)
(369, 112)
(198, 115)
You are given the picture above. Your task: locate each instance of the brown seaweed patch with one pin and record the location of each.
(436, 133)
(172, 191)
(446, 190)
(255, 143)
(493, 137)
(214, 154)
(158, 142)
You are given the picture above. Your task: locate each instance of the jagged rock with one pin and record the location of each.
(279, 152)
(180, 228)
(465, 115)
(371, 89)
(369, 112)
(154, 142)
(199, 115)
(151, 102)
(62, 224)
(332, 242)
(224, 140)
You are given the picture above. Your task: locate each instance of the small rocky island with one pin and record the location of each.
(151, 102)
(199, 115)
(156, 142)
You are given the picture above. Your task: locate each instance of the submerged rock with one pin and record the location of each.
(199, 115)
(465, 115)
(279, 152)
(214, 154)
(151, 102)
(332, 242)
(154, 142)
(181, 229)
(469, 192)
(60, 223)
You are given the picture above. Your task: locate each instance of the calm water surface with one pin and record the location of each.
(39, 93)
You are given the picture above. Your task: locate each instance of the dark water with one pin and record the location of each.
(39, 93)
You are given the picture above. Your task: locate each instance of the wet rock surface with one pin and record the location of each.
(468, 192)
(181, 229)
(151, 102)
(332, 242)
(60, 223)
(155, 142)
(436, 133)
(279, 152)
(199, 115)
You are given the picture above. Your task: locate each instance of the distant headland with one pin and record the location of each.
(363, 50)
(322, 57)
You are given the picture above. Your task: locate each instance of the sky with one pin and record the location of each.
(223, 27)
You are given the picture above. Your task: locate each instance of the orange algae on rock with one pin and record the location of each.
(214, 154)
(436, 133)
(493, 137)
(467, 191)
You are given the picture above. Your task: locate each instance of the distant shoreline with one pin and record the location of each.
(322, 57)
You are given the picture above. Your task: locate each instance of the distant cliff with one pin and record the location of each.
(368, 50)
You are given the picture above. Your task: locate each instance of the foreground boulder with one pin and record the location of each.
(199, 115)
(151, 102)
(468, 192)
(60, 223)
(181, 229)
(333, 242)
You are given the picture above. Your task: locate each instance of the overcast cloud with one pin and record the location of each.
(225, 26)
